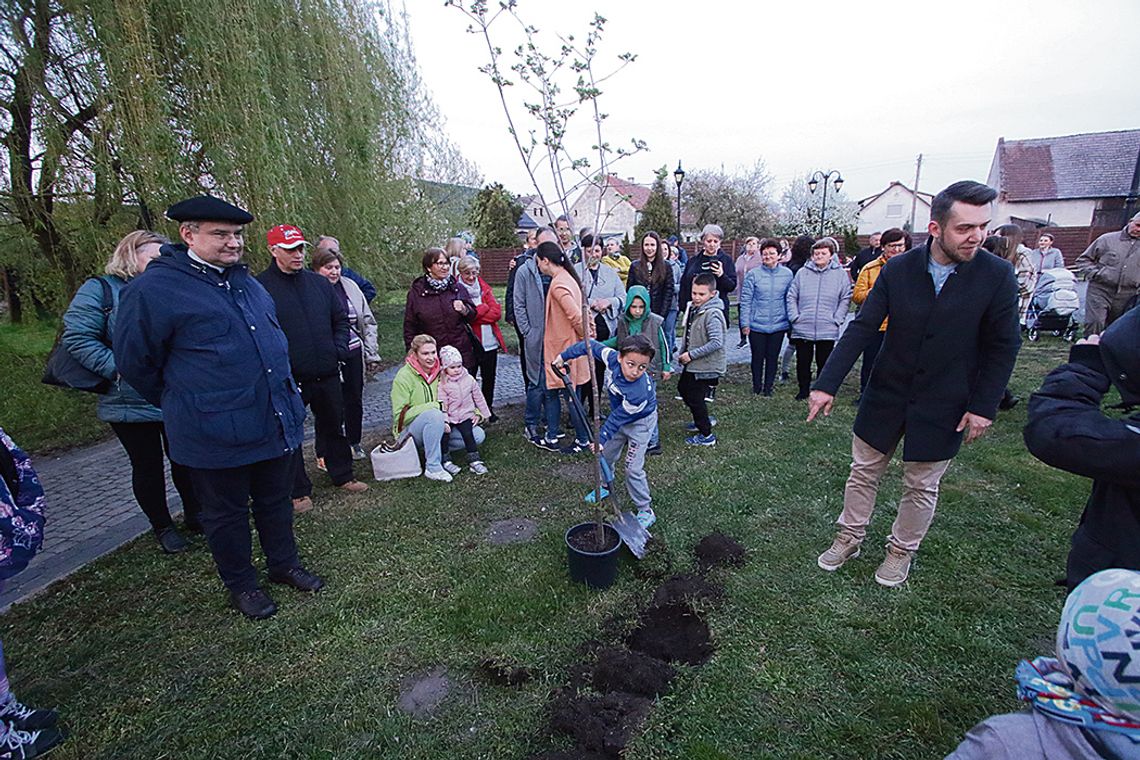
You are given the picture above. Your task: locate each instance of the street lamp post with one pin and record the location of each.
(679, 177)
(814, 182)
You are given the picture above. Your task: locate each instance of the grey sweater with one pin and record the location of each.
(704, 339)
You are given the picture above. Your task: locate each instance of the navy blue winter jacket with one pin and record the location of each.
(206, 347)
(629, 401)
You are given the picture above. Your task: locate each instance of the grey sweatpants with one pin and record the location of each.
(634, 436)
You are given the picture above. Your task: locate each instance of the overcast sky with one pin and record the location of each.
(862, 87)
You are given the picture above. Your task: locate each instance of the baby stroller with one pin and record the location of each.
(1054, 305)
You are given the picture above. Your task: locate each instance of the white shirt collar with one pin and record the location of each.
(200, 260)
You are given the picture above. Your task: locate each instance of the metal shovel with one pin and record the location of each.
(632, 532)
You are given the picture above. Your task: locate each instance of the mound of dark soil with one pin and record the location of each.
(673, 633)
(717, 549)
(504, 675)
(686, 588)
(623, 670)
(600, 724)
(570, 754)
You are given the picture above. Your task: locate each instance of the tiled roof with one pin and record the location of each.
(638, 194)
(1096, 165)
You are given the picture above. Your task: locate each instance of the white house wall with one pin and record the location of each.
(892, 209)
(617, 214)
(1077, 213)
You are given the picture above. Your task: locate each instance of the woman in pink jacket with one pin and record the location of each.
(563, 328)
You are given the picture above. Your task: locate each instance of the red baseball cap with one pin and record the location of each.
(286, 236)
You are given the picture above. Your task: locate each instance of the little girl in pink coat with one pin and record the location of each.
(463, 407)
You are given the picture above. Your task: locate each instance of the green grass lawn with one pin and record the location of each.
(144, 659)
(41, 417)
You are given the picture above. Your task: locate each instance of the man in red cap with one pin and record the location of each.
(316, 325)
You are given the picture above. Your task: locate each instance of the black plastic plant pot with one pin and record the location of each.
(596, 569)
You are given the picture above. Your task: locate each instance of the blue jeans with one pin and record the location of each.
(427, 430)
(535, 395)
(554, 415)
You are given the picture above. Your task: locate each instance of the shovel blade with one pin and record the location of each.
(632, 533)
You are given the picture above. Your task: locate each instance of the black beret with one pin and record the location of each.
(206, 208)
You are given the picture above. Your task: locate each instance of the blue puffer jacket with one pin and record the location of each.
(84, 331)
(763, 299)
(207, 348)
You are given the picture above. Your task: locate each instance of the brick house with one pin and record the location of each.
(1069, 181)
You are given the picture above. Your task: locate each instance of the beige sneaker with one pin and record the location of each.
(353, 486)
(895, 567)
(843, 548)
(302, 505)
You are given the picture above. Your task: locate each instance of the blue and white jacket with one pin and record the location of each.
(629, 401)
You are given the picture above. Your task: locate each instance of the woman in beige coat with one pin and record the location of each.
(563, 328)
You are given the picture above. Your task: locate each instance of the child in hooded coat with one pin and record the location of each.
(638, 319)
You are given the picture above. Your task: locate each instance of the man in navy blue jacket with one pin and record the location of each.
(199, 338)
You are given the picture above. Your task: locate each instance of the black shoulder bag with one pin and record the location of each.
(64, 371)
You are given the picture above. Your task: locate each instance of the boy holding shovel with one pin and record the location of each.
(630, 424)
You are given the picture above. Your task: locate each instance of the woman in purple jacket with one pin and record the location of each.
(439, 307)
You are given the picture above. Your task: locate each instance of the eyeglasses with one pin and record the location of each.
(899, 245)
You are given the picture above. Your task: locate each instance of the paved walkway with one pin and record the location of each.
(92, 511)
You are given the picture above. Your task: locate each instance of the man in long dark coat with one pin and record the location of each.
(947, 355)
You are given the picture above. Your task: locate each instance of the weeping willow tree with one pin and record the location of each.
(308, 112)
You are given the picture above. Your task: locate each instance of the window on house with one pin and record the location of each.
(894, 210)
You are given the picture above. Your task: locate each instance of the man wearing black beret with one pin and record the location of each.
(199, 337)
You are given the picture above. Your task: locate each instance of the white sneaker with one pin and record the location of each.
(443, 476)
(452, 468)
(478, 468)
(358, 452)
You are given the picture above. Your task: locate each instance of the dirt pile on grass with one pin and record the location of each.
(626, 680)
(718, 550)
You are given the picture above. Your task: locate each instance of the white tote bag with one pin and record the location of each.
(398, 459)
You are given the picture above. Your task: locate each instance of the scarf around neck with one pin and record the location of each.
(438, 285)
(428, 376)
(1048, 689)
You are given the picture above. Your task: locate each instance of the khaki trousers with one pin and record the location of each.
(916, 507)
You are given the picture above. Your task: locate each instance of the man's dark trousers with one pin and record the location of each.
(226, 497)
(324, 397)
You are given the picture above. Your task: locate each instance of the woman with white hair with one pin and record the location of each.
(710, 258)
(87, 326)
(485, 326)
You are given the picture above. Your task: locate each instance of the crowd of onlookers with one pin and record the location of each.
(214, 367)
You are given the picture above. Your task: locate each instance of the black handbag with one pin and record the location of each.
(64, 371)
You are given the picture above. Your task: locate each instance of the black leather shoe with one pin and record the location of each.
(256, 604)
(299, 578)
(1009, 402)
(172, 541)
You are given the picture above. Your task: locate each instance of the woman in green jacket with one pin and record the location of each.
(416, 410)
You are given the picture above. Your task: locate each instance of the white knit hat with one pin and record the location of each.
(449, 356)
